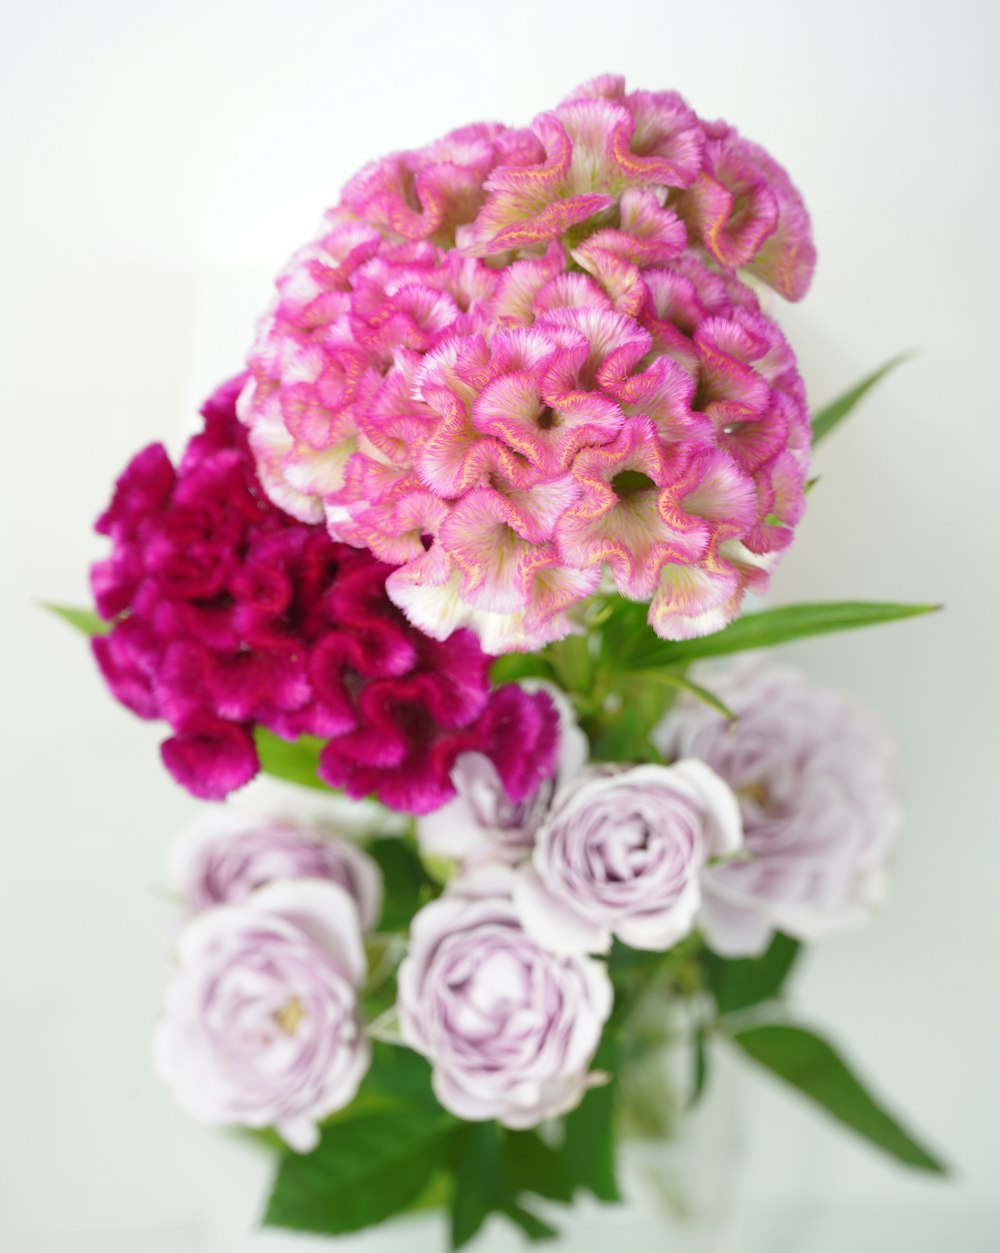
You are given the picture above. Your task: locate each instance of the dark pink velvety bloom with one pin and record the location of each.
(520, 364)
(229, 614)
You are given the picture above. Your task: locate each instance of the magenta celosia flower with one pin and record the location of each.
(482, 824)
(516, 361)
(229, 614)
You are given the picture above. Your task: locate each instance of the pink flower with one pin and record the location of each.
(509, 1027)
(226, 855)
(230, 614)
(817, 781)
(260, 1024)
(516, 359)
(622, 853)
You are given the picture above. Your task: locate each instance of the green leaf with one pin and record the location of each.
(589, 1147)
(739, 983)
(475, 1155)
(408, 886)
(295, 762)
(624, 734)
(671, 678)
(512, 667)
(400, 1073)
(364, 1170)
(84, 620)
(809, 1063)
(824, 420)
(769, 627)
(531, 1165)
(700, 1067)
(532, 1226)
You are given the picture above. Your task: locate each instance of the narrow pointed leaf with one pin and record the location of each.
(683, 684)
(767, 628)
(534, 1229)
(825, 419)
(700, 1068)
(295, 763)
(83, 620)
(810, 1064)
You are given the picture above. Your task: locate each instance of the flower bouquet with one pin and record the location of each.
(463, 551)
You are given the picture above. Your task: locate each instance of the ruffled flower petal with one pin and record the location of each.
(482, 321)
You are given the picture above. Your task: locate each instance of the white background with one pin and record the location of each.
(160, 160)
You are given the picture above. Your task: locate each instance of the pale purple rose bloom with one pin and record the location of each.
(622, 853)
(226, 855)
(261, 1025)
(482, 824)
(509, 1027)
(817, 780)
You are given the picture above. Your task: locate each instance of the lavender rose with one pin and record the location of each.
(622, 853)
(261, 1024)
(482, 824)
(817, 780)
(226, 855)
(510, 1028)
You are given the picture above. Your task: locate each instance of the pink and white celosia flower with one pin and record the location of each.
(518, 359)
(482, 824)
(816, 776)
(225, 855)
(622, 853)
(509, 1027)
(261, 1025)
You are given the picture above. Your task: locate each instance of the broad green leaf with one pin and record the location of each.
(364, 1170)
(84, 620)
(589, 1146)
(534, 1229)
(402, 1074)
(738, 983)
(407, 884)
(475, 1157)
(295, 763)
(825, 419)
(531, 1165)
(767, 628)
(809, 1063)
(437, 1194)
(398, 1080)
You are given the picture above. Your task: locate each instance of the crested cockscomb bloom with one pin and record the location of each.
(520, 365)
(228, 614)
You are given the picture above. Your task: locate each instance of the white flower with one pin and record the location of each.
(817, 780)
(622, 853)
(261, 1024)
(509, 1027)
